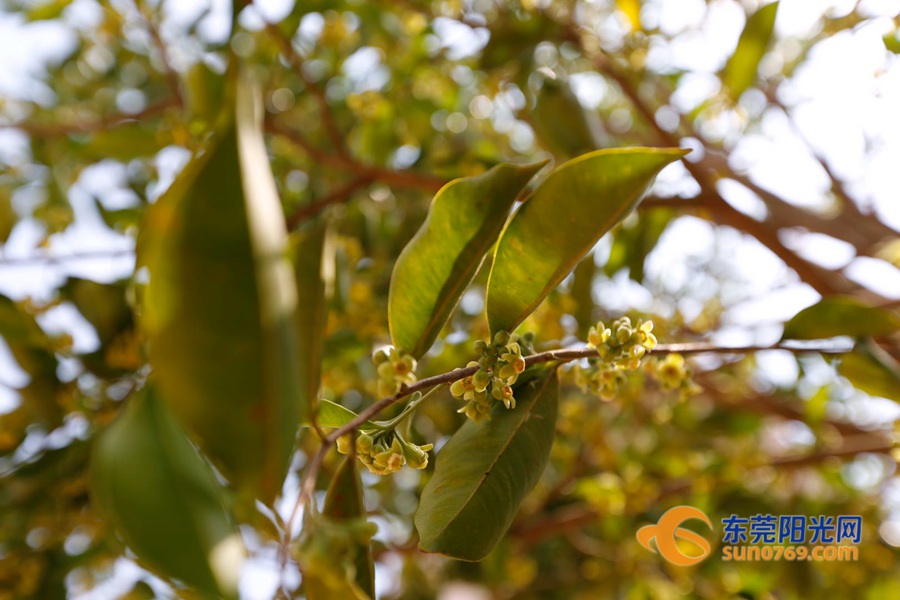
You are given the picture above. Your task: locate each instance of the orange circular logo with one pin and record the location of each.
(668, 529)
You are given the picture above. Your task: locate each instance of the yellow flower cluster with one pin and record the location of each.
(673, 374)
(499, 366)
(394, 370)
(620, 347)
(385, 452)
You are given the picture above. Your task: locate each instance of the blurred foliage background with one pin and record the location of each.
(371, 106)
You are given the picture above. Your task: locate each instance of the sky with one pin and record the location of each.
(844, 102)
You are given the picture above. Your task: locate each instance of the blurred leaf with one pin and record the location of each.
(312, 310)
(872, 371)
(332, 415)
(344, 502)
(121, 219)
(484, 472)
(432, 272)
(560, 222)
(562, 123)
(8, 217)
(125, 142)
(32, 349)
(840, 315)
(220, 307)
(104, 305)
(153, 486)
(205, 91)
(892, 42)
(740, 70)
(44, 11)
(632, 243)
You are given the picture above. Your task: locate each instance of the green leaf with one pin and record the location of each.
(562, 123)
(873, 371)
(434, 269)
(892, 42)
(126, 142)
(740, 70)
(633, 242)
(150, 483)
(332, 415)
(560, 222)
(344, 502)
(307, 252)
(484, 472)
(104, 305)
(8, 217)
(219, 311)
(840, 315)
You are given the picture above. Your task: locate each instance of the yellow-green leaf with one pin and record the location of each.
(740, 70)
(560, 222)
(307, 252)
(332, 415)
(439, 262)
(219, 311)
(484, 472)
(150, 483)
(562, 123)
(873, 371)
(840, 315)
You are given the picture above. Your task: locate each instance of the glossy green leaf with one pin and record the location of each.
(307, 248)
(484, 472)
(560, 222)
(840, 315)
(873, 371)
(150, 483)
(633, 242)
(332, 415)
(344, 502)
(740, 70)
(432, 272)
(219, 311)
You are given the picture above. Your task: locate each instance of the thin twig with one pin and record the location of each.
(36, 259)
(342, 194)
(171, 75)
(49, 130)
(308, 483)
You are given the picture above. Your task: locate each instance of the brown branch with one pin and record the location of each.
(171, 75)
(296, 61)
(393, 177)
(37, 259)
(49, 130)
(339, 195)
(307, 486)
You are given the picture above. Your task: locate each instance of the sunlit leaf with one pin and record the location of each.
(560, 222)
(219, 311)
(840, 315)
(332, 415)
(150, 483)
(434, 269)
(740, 70)
(484, 472)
